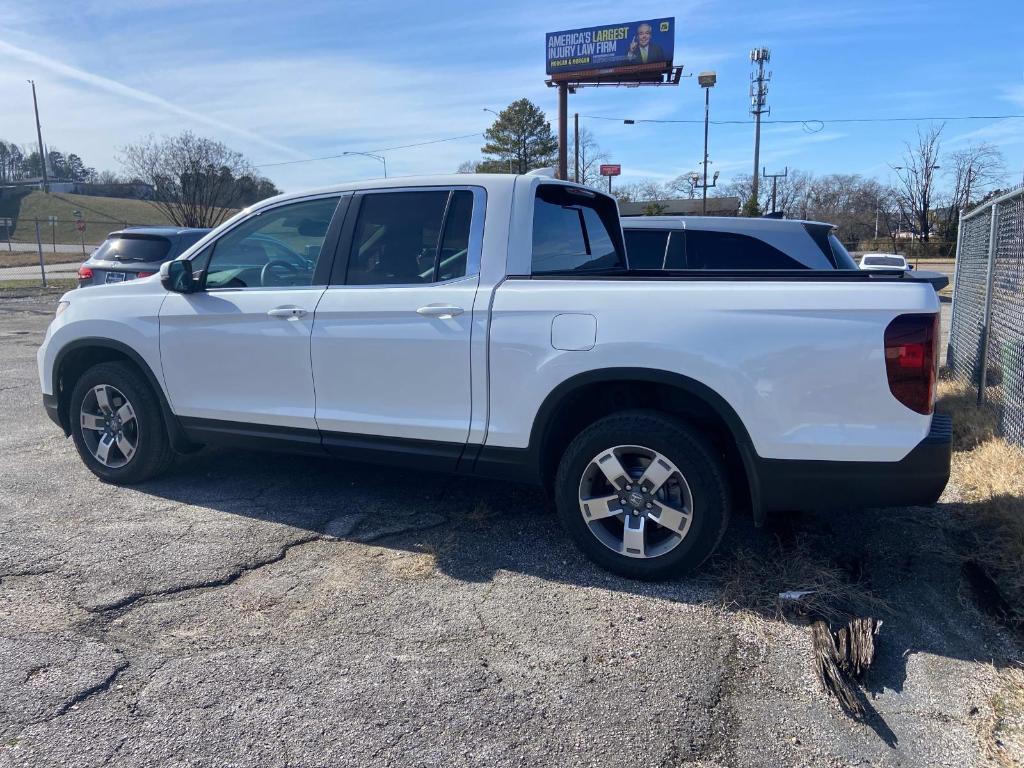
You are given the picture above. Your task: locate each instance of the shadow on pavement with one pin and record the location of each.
(476, 528)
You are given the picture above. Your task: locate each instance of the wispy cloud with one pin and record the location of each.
(118, 89)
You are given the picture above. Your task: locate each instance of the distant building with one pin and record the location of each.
(717, 206)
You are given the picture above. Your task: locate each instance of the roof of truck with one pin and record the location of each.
(486, 180)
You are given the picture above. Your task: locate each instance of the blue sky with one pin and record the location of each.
(289, 81)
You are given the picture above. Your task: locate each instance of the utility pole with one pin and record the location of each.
(563, 139)
(576, 144)
(758, 97)
(707, 81)
(39, 135)
(774, 177)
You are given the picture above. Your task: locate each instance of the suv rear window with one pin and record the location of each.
(843, 258)
(728, 250)
(575, 230)
(884, 261)
(133, 248)
(645, 248)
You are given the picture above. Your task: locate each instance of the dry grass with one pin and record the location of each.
(990, 480)
(988, 473)
(419, 565)
(1002, 732)
(752, 582)
(31, 258)
(972, 425)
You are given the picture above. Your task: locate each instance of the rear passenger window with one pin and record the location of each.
(404, 238)
(455, 241)
(574, 231)
(645, 248)
(726, 250)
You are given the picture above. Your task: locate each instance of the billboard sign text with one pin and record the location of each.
(634, 46)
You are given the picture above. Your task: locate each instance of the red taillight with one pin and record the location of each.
(146, 274)
(910, 357)
(84, 273)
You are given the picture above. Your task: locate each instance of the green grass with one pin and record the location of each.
(102, 215)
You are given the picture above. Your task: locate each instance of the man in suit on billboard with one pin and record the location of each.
(642, 50)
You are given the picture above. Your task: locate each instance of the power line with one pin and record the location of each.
(385, 149)
(813, 121)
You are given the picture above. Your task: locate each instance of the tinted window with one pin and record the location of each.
(645, 248)
(675, 257)
(727, 250)
(279, 247)
(396, 238)
(451, 260)
(133, 248)
(574, 231)
(843, 258)
(183, 242)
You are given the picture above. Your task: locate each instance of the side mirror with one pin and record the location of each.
(177, 276)
(910, 266)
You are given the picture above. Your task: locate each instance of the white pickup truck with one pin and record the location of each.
(490, 325)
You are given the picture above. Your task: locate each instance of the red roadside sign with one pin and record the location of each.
(80, 225)
(611, 170)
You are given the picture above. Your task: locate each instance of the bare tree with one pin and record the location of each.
(197, 182)
(917, 179)
(591, 156)
(684, 184)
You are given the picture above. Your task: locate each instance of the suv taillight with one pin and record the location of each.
(84, 273)
(910, 360)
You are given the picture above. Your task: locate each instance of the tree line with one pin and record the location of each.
(20, 163)
(931, 187)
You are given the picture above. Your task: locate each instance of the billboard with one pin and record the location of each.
(609, 169)
(631, 47)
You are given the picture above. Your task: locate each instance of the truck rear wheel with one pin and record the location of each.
(643, 494)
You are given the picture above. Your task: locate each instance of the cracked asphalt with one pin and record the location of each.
(260, 609)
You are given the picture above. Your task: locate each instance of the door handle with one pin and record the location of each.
(291, 313)
(439, 310)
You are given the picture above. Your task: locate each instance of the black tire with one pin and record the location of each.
(697, 462)
(153, 454)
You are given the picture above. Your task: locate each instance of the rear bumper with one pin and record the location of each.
(916, 480)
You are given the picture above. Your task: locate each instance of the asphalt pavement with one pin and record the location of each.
(260, 609)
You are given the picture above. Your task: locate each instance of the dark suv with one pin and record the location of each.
(711, 242)
(135, 252)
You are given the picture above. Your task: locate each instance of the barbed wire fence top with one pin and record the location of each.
(986, 342)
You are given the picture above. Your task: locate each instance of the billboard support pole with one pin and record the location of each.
(576, 145)
(563, 131)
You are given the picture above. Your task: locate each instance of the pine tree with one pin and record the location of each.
(519, 140)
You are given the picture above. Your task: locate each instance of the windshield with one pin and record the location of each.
(884, 261)
(133, 248)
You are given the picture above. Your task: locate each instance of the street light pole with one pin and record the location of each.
(707, 82)
(375, 157)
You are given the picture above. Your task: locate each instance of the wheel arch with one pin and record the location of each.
(586, 397)
(79, 355)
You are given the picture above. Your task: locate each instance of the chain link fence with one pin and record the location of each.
(986, 341)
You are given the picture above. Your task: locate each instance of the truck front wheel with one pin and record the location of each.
(643, 494)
